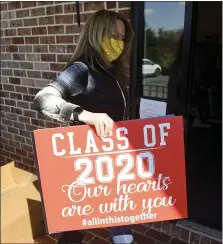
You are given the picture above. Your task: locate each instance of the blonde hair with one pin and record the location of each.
(103, 25)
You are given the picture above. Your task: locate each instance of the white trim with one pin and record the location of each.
(200, 229)
(115, 152)
(116, 7)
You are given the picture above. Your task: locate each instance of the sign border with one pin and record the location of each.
(39, 178)
(39, 183)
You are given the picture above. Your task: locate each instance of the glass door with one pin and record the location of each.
(176, 58)
(163, 33)
(160, 55)
(204, 135)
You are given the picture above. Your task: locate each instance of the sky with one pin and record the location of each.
(167, 15)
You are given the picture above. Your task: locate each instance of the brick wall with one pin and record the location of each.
(38, 38)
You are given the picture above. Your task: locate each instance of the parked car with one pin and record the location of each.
(150, 68)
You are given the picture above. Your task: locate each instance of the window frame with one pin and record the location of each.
(136, 77)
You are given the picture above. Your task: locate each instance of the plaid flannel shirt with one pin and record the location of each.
(52, 99)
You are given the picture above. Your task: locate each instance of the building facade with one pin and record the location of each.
(38, 38)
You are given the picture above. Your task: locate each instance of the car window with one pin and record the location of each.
(148, 62)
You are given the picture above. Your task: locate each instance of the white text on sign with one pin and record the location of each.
(121, 134)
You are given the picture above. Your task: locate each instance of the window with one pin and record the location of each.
(164, 24)
(148, 62)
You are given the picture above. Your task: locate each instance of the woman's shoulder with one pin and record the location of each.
(77, 70)
(78, 67)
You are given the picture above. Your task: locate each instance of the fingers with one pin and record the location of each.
(97, 127)
(108, 125)
(111, 123)
(107, 128)
(102, 129)
(103, 125)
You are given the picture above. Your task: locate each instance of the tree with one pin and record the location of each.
(160, 46)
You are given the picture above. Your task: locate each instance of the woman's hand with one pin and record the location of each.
(102, 122)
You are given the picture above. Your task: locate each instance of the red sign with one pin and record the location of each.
(136, 175)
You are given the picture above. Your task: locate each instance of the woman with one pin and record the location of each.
(91, 89)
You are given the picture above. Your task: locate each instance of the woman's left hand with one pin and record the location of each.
(101, 121)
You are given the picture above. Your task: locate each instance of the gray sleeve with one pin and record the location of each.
(52, 99)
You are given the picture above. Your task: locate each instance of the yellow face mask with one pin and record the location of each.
(112, 48)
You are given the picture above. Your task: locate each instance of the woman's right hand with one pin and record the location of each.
(101, 121)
